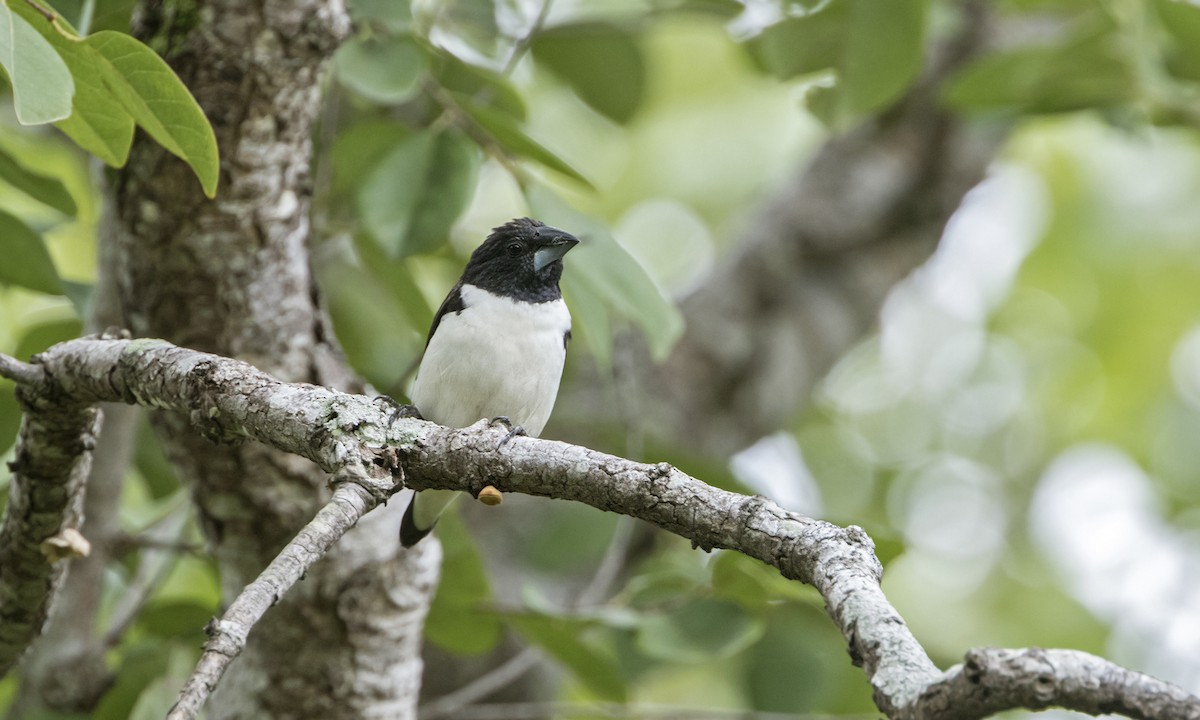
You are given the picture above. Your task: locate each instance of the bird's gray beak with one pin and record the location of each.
(556, 246)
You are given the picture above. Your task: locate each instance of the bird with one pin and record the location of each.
(496, 347)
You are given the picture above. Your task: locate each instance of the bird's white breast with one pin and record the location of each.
(495, 357)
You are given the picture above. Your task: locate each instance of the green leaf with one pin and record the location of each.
(1182, 21)
(1089, 71)
(509, 135)
(458, 621)
(601, 269)
(883, 52)
(41, 83)
(372, 326)
(142, 661)
(45, 189)
(602, 62)
(159, 102)
(471, 23)
(725, 9)
(570, 641)
(395, 15)
(80, 295)
(386, 70)
(398, 280)
(415, 194)
(358, 151)
(591, 322)
(874, 50)
(810, 676)
(38, 338)
(571, 537)
(158, 697)
(175, 618)
(699, 631)
(785, 674)
(98, 123)
(481, 85)
(191, 578)
(158, 474)
(26, 261)
(753, 584)
(802, 45)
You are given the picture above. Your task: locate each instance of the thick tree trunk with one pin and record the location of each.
(231, 276)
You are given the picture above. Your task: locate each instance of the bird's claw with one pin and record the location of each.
(398, 409)
(513, 430)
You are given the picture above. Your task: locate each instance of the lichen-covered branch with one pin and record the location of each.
(991, 680)
(351, 436)
(45, 495)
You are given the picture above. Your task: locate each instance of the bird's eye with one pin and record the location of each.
(514, 249)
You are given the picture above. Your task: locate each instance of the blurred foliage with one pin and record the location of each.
(1059, 313)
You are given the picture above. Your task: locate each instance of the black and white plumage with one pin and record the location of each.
(496, 346)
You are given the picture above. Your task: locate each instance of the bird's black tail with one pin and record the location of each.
(410, 534)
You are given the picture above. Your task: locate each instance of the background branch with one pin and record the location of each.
(814, 264)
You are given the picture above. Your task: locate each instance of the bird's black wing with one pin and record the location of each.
(452, 304)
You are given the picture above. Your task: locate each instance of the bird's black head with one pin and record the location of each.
(521, 259)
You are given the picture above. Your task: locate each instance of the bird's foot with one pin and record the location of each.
(513, 430)
(398, 409)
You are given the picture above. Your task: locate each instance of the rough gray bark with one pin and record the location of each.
(991, 680)
(40, 528)
(66, 670)
(352, 437)
(231, 276)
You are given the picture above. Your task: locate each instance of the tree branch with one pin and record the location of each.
(227, 635)
(45, 496)
(19, 372)
(67, 669)
(350, 436)
(994, 679)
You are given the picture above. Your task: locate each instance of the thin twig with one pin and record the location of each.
(452, 704)
(20, 372)
(125, 542)
(610, 565)
(525, 41)
(154, 567)
(227, 635)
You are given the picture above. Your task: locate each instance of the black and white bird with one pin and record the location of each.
(496, 347)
